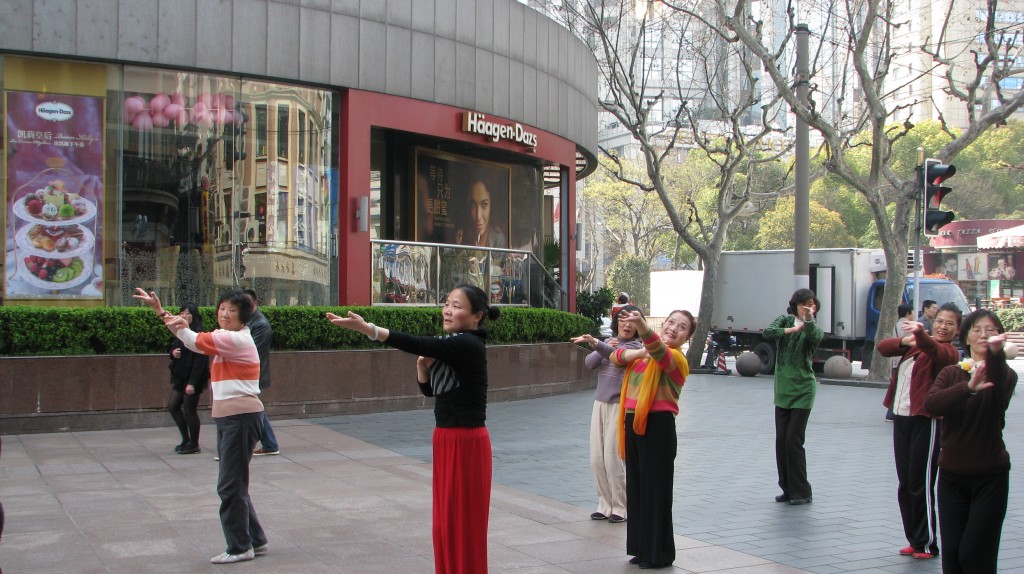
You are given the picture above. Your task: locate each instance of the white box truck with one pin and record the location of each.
(754, 288)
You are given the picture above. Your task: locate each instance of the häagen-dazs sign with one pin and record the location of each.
(477, 123)
(55, 111)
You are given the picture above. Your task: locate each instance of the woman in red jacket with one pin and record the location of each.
(915, 433)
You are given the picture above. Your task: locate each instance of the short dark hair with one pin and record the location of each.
(252, 294)
(952, 308)
(239, 299)
(615, 320)
(799, 296)
(623, 298)
(927, 303)
(903, 310)
(974, 317)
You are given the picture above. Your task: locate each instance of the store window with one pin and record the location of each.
(205, 203)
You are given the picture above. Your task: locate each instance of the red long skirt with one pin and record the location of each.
(462, 499)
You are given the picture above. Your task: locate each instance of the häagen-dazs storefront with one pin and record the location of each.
(355, 153)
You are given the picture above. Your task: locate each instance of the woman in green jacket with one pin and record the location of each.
(795, 386)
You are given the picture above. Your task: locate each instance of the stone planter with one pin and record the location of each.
(51, 394)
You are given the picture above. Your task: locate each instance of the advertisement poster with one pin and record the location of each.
(1002, 266)
(461, 201)
(54, 196)
(972, 267)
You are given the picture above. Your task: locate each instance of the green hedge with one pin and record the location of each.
(136, 330)
(1012, 319)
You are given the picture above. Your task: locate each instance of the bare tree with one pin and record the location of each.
(675, 85)
(853, 90)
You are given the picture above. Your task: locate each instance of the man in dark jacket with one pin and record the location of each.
(262, 334)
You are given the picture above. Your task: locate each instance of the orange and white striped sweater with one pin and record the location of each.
(234, 370)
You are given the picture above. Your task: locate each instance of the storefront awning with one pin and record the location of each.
(1007, 239)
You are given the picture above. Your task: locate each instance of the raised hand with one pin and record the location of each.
(585, 339)
(149, 299)
(978, 382)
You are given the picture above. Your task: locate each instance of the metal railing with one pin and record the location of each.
(411, 273)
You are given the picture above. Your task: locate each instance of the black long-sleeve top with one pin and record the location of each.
(191, 369)
(972, 423)
(458, 377)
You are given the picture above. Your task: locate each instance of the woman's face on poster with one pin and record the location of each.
(480, 210)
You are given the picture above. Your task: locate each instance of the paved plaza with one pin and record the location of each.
(352, 493)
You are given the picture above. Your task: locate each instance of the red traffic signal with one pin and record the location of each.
(935, 173)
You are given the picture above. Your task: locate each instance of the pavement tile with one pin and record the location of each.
(352, 493)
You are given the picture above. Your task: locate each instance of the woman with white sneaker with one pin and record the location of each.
(237, 409)
(608, 468)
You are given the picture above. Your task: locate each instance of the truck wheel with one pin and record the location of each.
(766, 352)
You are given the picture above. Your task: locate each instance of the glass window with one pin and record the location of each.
(282, 131)
(215, 216)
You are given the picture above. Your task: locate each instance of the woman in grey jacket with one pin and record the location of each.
(609, 470)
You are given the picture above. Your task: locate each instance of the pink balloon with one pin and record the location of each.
(227, 100)
(205, 98)
(225, 116)
(172, 111)
(160, 121)
(143, 122)
(177, 98)
(182, 118)
(204, 119)
(158, 103)
(216, 101)
(200, 108)
(132, 106)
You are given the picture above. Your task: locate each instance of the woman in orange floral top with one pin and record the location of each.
(648, 405)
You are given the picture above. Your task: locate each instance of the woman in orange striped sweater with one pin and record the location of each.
(237, 409)
(648, 406)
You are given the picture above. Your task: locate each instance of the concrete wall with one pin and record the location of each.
(493, 56)
(51, 394)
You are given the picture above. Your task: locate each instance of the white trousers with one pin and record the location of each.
(609, 470)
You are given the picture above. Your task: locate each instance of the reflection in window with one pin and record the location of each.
(219, 213)
(282, 131)
(261, 130)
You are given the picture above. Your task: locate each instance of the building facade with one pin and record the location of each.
(356, 152)
(982, 274)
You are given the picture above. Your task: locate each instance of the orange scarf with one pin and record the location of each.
(648, 388)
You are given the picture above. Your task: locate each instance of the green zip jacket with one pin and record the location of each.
(795, 384)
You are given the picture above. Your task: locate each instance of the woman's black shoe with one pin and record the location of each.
(650, 566)
(634, 560)
(190, 449)
(782, 498)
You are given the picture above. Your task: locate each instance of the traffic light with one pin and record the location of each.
(935, 173)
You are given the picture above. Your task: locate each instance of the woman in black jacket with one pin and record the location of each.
(453, 370)
(190, 373)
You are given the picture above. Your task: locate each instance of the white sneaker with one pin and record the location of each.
(261, 550)
(232, 558)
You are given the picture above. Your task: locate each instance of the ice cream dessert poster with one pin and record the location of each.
(54, 196)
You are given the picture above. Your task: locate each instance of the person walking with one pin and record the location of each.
(915, 432)
(234, 379)
(648, 405)
(453, 370)
(795, 388)
(190, 372)
(974, 480)
(605, 463)
(263, 335)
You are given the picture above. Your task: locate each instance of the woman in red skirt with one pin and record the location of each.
(453, 370)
